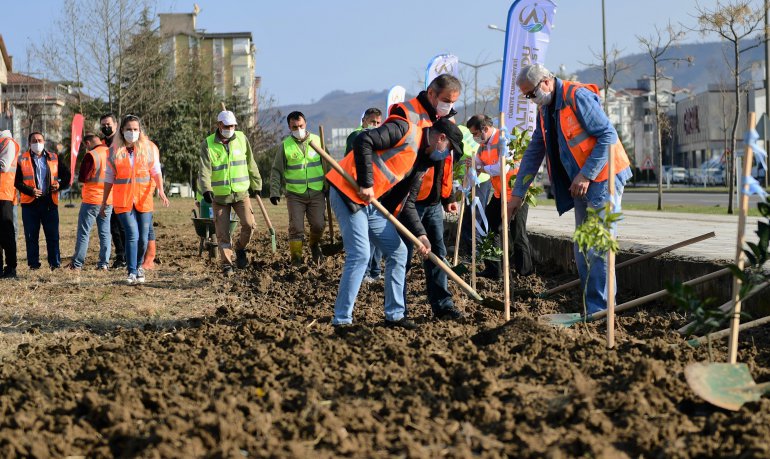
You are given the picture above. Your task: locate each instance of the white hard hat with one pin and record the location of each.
(227, 118)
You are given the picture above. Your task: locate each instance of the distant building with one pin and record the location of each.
(229, 55)
(32, 104)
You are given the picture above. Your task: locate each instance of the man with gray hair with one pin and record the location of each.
(575, 137)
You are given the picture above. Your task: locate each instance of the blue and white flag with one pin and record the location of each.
(441, 64)
(526, 42)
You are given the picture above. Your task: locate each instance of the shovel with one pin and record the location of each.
(569, 319)
(333, 247)
(487, 302)
(268, 222)
(632, 261)
(456, 267)
(726, 385)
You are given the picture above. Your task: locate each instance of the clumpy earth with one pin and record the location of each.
(265, 376)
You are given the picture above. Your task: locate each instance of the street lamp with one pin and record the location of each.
(476, 68)
(494, 27)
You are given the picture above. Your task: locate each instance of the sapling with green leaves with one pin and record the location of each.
(489, 249)
(595, 234)
(517, 144)
(706, 317)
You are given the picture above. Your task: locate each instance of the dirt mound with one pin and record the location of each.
(266, 376)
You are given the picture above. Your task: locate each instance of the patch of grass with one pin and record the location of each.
(677, 208)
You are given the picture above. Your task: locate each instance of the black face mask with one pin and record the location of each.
(106, 130)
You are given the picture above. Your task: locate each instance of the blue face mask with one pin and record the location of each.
(439, 155)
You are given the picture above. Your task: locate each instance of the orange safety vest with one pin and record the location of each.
(389, 166)
(446, 181)
(489, 155)
(93, 189)
(580, 143)
(132, 186)
(7, 179)
(28, 175)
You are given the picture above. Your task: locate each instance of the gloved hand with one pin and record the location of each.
(275, 200)
(208, 197)
(253, 193)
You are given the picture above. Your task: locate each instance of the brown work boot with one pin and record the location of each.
(295, 252)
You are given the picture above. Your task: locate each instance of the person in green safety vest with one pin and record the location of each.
(228, 177)
(298, 170)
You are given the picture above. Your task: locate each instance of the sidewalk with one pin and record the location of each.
(645, 231)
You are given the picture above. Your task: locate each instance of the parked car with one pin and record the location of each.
(545, 181)
(175, 189)
(676, 174)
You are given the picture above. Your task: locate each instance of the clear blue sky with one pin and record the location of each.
(307, 48)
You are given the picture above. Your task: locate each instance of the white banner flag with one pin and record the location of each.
(396, 95)
(441, 64)
(526, 41)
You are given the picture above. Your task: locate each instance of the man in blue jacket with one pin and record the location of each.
(575, 136)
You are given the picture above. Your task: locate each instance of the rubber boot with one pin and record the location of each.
(315, 247)
(149, 256)
(295, 252)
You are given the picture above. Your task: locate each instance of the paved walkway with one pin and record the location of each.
(645, 231)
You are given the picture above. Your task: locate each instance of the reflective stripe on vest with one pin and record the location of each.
(28, 175)
(428, 179)
(489, 155)
(388, 166)
(132, 187)
(229, 169)
(580, 143)
(8, 178)
(93, 189)
(303, 168)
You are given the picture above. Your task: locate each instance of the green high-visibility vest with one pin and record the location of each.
(229, 171)
(303, 168)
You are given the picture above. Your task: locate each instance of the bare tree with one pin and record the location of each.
(657, 45)
(614, 66)
(735, 21)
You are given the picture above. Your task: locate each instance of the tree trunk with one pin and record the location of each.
(658, 142)
(733, 140)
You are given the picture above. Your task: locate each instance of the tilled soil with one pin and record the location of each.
(266, 376)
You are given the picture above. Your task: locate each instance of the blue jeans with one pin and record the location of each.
(375, 267)
(45, 214)
(358, 229)
(596, 287)
(86, 217)
(136, 225)
(439, 295)
(483, 191)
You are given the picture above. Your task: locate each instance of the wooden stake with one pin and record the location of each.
(503, 153)
(473, 222)
(329, 215)
(611, 257)
(459, 231)
(735, 322)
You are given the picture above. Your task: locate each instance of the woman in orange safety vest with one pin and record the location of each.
(132, 167)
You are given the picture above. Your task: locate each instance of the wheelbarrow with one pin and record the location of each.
(206, 231)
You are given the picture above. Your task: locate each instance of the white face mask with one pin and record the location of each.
(443, 108)
(131, 136)
(298, 134)
(478, 139)
(37, 148)
(541, 97)
(227, 133)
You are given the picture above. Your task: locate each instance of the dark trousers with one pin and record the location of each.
(34, 215)
(432, 218)
(118, 238)
(522, 256)
(7, 235)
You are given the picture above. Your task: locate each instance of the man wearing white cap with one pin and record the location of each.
(228, 177)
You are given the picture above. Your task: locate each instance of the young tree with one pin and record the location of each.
(735, 21)
(657, 45)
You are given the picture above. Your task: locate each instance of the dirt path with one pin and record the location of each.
(194, 365)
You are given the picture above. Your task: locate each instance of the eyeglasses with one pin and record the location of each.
(531, 94)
